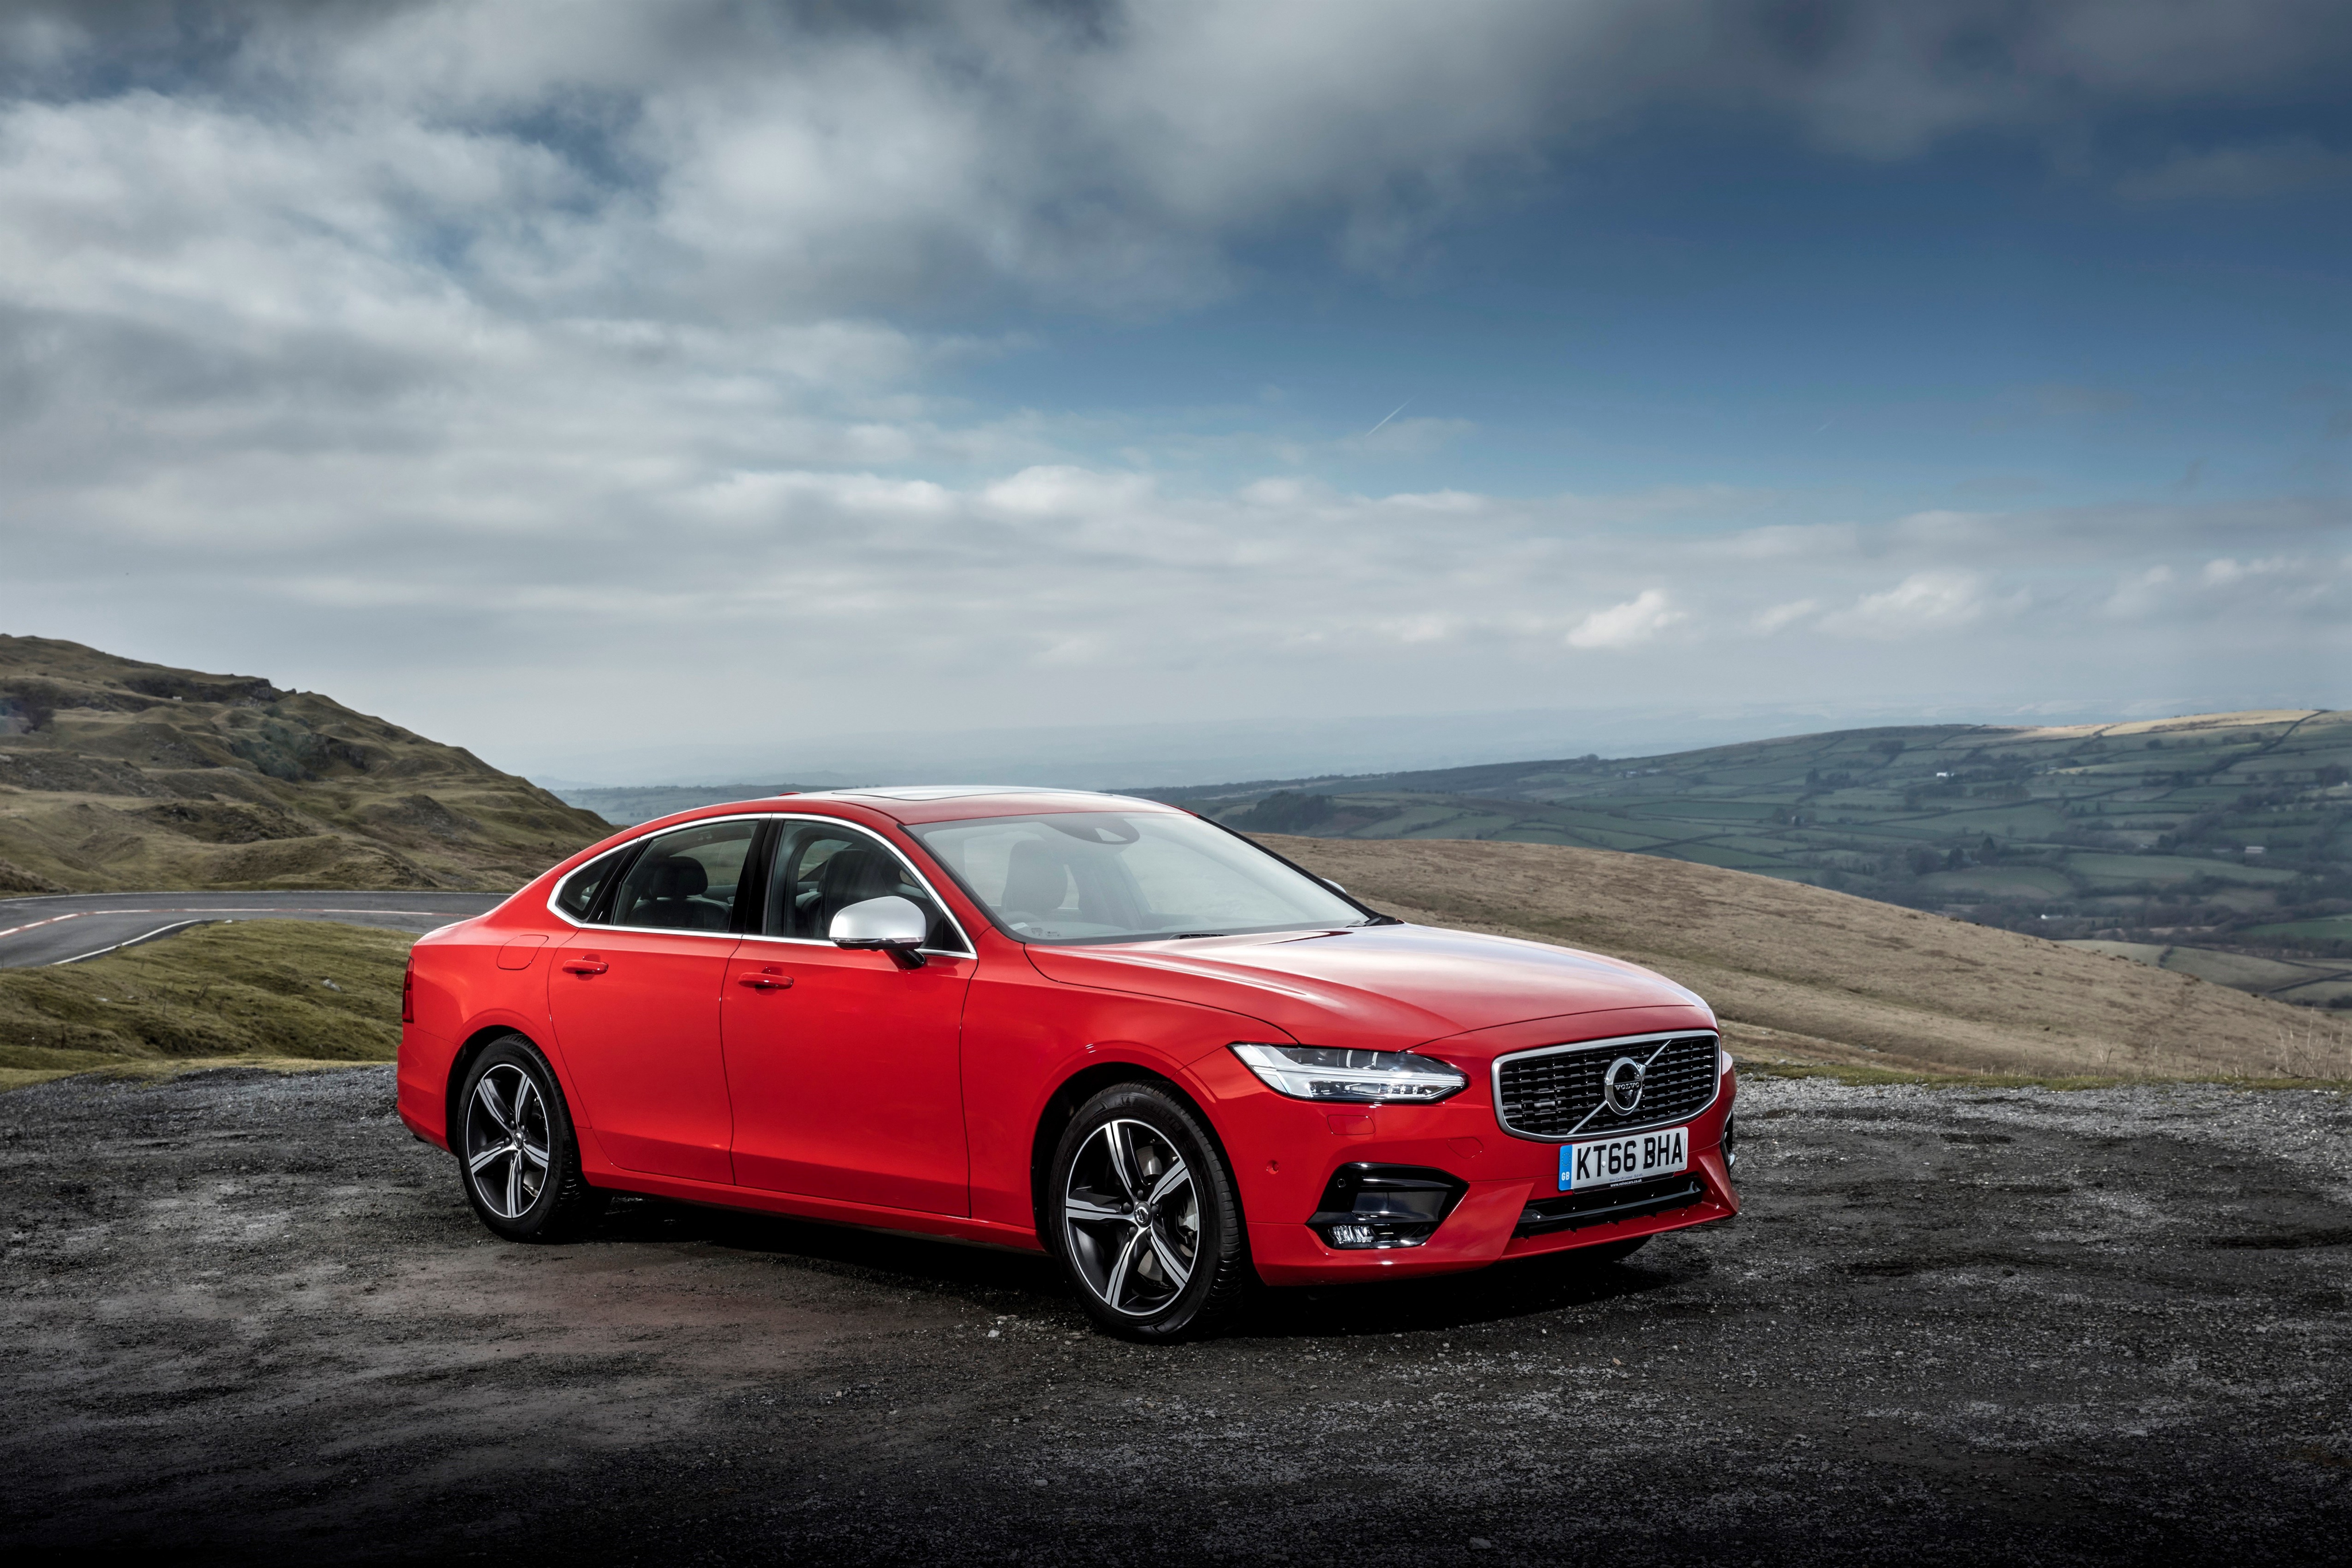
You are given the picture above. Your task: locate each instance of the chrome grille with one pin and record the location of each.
(1556, 1092)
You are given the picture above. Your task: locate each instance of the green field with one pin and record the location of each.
(2329, 928)
(2097, 868)
(276, 991)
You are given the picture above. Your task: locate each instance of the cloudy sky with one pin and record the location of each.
(634, 392)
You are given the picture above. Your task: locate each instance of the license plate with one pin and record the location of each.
(1614, 1160)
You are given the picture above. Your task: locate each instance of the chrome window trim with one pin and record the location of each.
(967, 951)
(1659, 1037)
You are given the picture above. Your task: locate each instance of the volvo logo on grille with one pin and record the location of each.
(1621, 1085)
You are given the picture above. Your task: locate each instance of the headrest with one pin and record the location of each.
(1037, 880)
(676, 878)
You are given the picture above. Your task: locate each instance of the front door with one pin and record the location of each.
(634, 1001)
(842, 1066)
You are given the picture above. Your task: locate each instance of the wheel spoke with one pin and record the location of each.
(487, 1093)
(535, 1155)
(488, 1157)
(1174, 1177)
(514, 1189)
(1122, 1158)
(1178, 1269)
(1084, 1210)
(1115, 1285)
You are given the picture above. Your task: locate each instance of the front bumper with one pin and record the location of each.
(1284, 1152)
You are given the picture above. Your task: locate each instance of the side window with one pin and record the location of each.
(686, 879)
(820, 870)
(578, 894)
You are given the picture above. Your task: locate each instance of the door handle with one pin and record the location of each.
(585, 965)
(770, 979)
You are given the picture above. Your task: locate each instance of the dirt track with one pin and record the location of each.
(247, 1315)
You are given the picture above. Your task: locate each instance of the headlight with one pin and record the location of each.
(1360, 1077)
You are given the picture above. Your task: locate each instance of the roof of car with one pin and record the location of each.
(953, 802)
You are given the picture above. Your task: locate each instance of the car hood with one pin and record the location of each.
(1378, 987)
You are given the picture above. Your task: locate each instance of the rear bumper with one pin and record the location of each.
(424, 1084)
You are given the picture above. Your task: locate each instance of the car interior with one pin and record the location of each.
(820, 871)
(685, 880)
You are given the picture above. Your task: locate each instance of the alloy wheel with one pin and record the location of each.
(1132, 1218)
(506, 1141)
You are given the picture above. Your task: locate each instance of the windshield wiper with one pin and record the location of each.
(1187, 936)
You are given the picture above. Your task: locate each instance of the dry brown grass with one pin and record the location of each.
(1799, 975)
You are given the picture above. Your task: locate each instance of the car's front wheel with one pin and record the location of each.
(1144, 1217)
(517, 1154)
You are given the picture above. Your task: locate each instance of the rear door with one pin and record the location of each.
(634, 1001)
(842, 1065)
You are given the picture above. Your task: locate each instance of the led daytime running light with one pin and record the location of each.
(1358, 1077)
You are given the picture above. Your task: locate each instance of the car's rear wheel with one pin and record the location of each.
(1144, 1217)
(517, 1154)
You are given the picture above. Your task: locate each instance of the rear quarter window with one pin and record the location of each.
(577, 895)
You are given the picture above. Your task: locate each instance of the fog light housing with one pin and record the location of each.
(1370, 1206)
(1732, 1141)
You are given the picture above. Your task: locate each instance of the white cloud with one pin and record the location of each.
(1924, 602)
(1782, 616)
(2142, 593)
(2224, 571)
(1626, 625)
(2241, 172)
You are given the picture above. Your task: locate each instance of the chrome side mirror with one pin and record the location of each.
(895, 926)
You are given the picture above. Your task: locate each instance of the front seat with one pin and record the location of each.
(673, 899)
(1036, 879)
(850, 876)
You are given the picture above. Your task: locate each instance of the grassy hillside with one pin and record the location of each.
(1804, 975)
(276, 991)
(2223, 830)
(1799, 974)
(116, 774)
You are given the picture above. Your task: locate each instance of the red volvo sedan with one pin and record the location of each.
(1091, 1025)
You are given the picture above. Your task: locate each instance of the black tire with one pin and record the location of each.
(1186, 1268)
(520, 1171)
(1609, 1251)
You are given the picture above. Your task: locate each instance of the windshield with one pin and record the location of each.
(1100, 876)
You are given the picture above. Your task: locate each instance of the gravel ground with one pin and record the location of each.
(247, 1316)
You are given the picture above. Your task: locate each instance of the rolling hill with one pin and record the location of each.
(1803, 975)
(2220, 831)
(118, 774)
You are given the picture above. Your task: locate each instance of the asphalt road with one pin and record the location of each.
(59, 928)
(248, 1317)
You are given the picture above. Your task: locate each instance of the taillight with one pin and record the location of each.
(408, 991)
